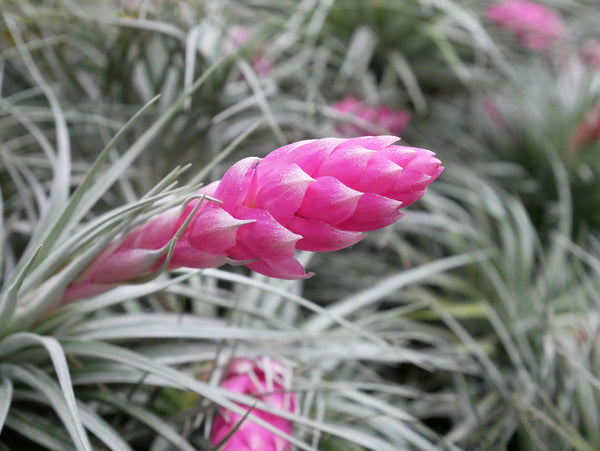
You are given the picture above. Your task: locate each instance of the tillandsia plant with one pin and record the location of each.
(315, 195)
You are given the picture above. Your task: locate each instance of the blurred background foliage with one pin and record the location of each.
(471, 324)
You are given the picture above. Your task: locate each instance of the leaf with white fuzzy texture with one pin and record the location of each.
(393, 283)
(38, 430)
(42, 383)
(6, 391)
(146, 417)
(65, 316)
(90, 419)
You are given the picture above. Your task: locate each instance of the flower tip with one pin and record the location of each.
(286, 268)
(241, 222)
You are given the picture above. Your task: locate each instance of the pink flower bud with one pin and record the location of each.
(316, 195)
(266, 380)
(535, 25)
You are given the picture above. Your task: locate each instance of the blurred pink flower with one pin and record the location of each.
(316, 195)
(590, 53)
(266, 380)
(588, 131)
(382, 116)
(240, 36)
(535, 25)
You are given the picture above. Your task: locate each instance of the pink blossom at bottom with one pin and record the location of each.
(265, 380)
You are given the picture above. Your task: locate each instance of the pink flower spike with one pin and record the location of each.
(317, 195)
(264, 380)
